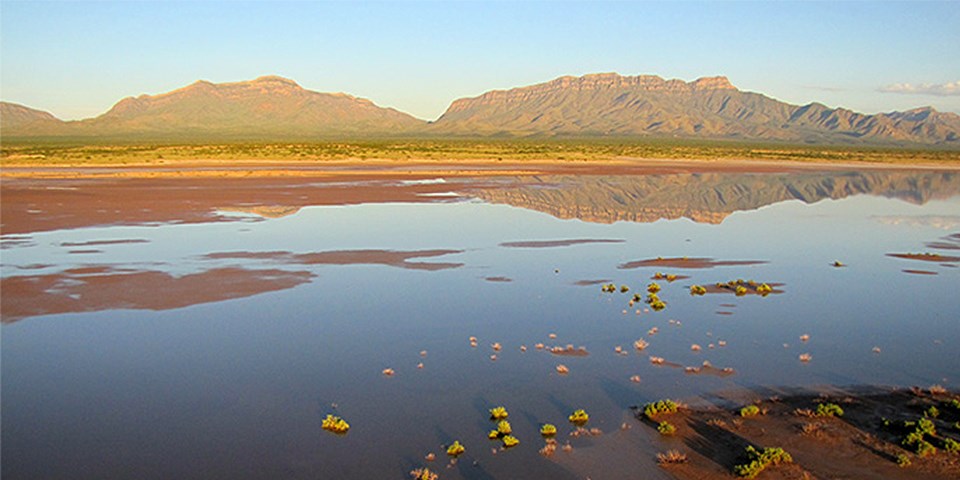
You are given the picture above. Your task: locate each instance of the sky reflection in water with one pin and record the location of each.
(239, 387)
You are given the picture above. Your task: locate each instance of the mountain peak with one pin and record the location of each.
(275, 79)
(713, 83)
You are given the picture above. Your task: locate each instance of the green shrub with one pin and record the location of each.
(903, 460)
(579, 417)
(932, 412)
(926, 427)
(651, 410)
(925, 449)
(951, 445)
(666, 428)
(757, 461)
(750, 411)
(829, 410)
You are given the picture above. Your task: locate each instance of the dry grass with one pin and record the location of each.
(671, 457)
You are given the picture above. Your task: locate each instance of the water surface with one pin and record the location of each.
(215, 347)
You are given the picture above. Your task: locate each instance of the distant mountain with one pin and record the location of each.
(704, 197)
(266, 107)
(609, 104)
(604, 104)
(15, 116)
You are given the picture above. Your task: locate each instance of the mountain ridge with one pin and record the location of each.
(600, 104)
(709, 107)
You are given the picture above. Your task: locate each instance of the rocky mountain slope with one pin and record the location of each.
(609, 104)
(265, 107)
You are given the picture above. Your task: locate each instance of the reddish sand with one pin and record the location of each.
(556, 243)
(856, 445)
(926, 257)
(919, 272)
(684, 262)
(93, 289)
(713, 288)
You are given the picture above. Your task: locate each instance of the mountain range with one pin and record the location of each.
(596, 105)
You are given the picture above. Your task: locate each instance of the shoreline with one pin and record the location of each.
(213, 168)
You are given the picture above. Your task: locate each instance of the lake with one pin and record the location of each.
(204, 330)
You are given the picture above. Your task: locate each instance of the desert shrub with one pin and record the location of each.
(651, 410)
(750, 411)
(758, 460)
(455, 449)
(829, 410)
(666, 428)
(951, 446)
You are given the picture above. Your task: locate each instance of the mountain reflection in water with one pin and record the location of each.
(706, 197)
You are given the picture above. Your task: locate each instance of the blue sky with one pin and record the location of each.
(76, 59)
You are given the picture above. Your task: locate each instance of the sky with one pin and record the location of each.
(76, 59)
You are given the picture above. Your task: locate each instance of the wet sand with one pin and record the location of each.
(92, 289)
(714, 435)
(684, 262)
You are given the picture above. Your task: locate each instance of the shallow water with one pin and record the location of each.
(215, 349)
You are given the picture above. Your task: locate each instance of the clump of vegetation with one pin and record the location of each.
(624, 289)
(666, 428)
(764, 289)
(903, 460)
(655, 303)
(932, 412)
(608, 288)
(698, 290)
(654, 287)
(922, 430)
(510, 441)
(579, 417)
(925, 449)
(671, 457)
(651, 410)
(661, 276)
(829, 410)
(504, 428)
(740, 290)
(838, 264)
(750, 411)
(548, 430)
(758, 460)
(335, 424)
(951, 446)
(455, 449)
(498, 413)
